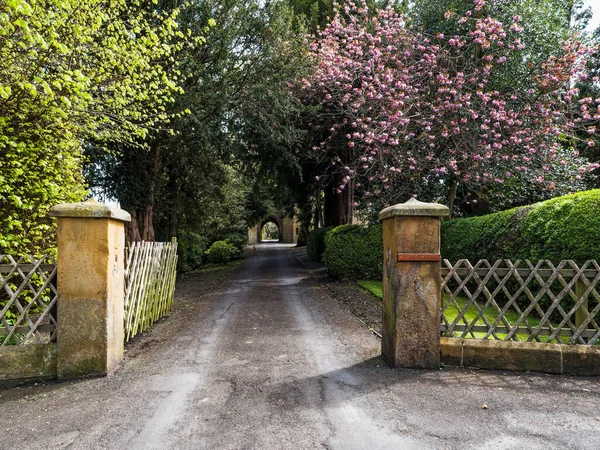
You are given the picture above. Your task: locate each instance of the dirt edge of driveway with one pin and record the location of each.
(362, 304)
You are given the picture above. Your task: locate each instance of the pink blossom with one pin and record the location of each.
(396, 96)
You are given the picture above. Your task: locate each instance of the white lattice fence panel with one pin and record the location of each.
(150, 271)
(27, 300)
(521, 301)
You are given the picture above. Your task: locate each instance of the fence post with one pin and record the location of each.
(582, 313)
(412, 284)
(91, 242)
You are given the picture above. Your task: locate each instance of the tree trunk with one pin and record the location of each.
(317, 218)
(132, 230)
(173, 189)
(143, 228)
(338, 206)
(149, 234)
(349, 191)
(302, 236)
(140, 228)
(148, 220)
(452, 194)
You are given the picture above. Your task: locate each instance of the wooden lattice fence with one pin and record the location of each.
(522, 301)
(27, 300)
(150, 269)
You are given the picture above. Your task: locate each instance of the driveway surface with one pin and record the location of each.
(267, 360)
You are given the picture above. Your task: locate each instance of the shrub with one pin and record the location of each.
(354, 251)
(316, 243)
(485, 237)
(239, 240)
(220, 252)
(190, 251)
(565, 227)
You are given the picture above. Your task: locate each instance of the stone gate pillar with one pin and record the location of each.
(412, 284)
(91, 266)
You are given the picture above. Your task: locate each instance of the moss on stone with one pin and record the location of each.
(90, 208)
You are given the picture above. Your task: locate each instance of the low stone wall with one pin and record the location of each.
(521, 356)
(27, 363)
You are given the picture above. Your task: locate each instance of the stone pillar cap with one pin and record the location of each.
(414, 207)
(90, 208)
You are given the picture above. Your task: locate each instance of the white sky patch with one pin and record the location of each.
(595, 21)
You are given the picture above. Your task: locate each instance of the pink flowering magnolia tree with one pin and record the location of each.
(403, 112)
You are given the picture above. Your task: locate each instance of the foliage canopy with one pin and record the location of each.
(73, 71)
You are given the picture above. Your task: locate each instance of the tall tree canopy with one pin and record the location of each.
(201, 117)
(405, 112)
(73, 71)
(202, 182)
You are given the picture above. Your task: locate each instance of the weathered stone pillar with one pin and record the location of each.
(91, 245)
(412, 284)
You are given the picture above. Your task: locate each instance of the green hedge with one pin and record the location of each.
(221, 252)
(316, 243)
(354, 252)
(239, 240)
(561, 228)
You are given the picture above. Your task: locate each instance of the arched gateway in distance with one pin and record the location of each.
(288, 229)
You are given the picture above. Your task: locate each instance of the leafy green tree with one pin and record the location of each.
(546, 26)
(217, 171)
(316, 14)
(73, 71)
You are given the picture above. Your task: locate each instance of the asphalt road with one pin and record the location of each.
(270, 361)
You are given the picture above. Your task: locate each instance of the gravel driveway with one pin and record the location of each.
(264, 358)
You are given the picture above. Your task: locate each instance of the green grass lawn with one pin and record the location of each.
(491, 315)
(376, 288)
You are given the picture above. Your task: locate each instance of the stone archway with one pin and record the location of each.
(288, 228)
(273, 219)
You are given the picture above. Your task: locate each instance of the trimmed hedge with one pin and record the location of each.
(565, 227)
(316, 243)
(354, 252)
(220, 252)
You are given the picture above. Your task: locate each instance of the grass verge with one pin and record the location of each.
(374, 287)
(452, 311)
